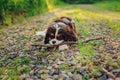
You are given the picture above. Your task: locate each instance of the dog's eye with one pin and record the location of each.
(61, 31)
(59, 37)
(51, 34)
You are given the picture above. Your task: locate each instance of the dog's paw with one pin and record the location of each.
(63, 47)
(41, 33)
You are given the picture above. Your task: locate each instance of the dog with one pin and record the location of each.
(60, 30)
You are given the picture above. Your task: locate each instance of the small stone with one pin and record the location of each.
(104, 77)
(70, 74)
(32, 66)
(50, 61)
(60, 79)
(21, 55)
(31, 72)
(45, 77)
(77, 77)
(64, 76)
(49, 67)
(60, 62)
(117, 78)
(40, 72)
(12, 56)
(5, 78)
(44, 61)
(46, 71)
(23, 76)
(29, 79)
(110, 79)
(1, 64)
(54, 72)
(78, 53)
(55, 77)
(34, 77)
(49, 79)
(55, 66)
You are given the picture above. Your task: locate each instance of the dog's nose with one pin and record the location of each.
(53, 42)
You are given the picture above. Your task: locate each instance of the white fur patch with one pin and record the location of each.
(61, 23)
(41, 33)
(63, 47)
(57, 29)
(57, 42)
(73, 21)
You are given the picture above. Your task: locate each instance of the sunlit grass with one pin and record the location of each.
(53, 4)
(82, 18)
(107, 5)
(86, 14)
(112, 18)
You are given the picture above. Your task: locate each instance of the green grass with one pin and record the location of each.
(113, 5)
(115, 26)
(85, 19)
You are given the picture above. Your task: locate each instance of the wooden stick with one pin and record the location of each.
(108, 73)
(98, 38)
(72, 42)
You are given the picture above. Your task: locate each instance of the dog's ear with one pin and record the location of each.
(72, 25)
(46, 40)
(71, 36)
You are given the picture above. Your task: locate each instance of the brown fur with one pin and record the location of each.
(67, 34)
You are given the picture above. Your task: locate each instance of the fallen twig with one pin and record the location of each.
(71, 42)
(98, 38)
(108, 73)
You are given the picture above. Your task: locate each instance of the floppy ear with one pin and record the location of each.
(72, 25)
(71, 36)
(74, 36)
(46, 41)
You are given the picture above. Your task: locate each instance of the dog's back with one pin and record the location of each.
(67, 21)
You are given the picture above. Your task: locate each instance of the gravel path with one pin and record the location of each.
(21, 56)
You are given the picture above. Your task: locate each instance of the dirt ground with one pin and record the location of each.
(22, 57)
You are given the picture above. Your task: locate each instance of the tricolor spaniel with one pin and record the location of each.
(60, 30)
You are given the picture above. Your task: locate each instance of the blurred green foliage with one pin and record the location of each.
(81, 1)
(10, 9)
(113, 5)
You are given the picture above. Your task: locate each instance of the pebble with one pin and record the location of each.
(1, 64)
(60, 79)
(44, 61)
(46, 71)
(55, 77)
(29, 79)
(104, 77)
(54, 72)
(31, 72)
(64, 76)
(23, 76)
(12, 56)
(55, 66)
(49, 67)
(117, 78)
(5, 78)
(70, 74)
(110, 79)
(77, 77)
(32, 66)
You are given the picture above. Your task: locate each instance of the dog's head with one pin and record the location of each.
(60, 30)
